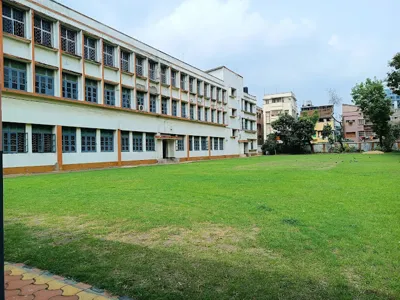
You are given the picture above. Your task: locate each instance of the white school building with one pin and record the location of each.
(77, 94)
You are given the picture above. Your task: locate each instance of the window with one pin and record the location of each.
(221, 143)
(13, 21)
(139, 100)
(88, 140)
(125, 61)
(191, 84)
(219, 117)
(361, 121)
(125, 141)
(90, 48)
(15, 139)
(126, 98)
(218, 92)
(180, 146)
(139, 66)
(152, 70)
(233, 92)
(42, 31)
(213, 116)
(109, 94)
(44, 81)
(173, 78)
(14, 75)
(70, 86)
(183, 110)
(137, 142)
(204, 143)
(164, 70)
(190, 143)
(68, 40)
(206, 90)
(207, 110)
(43, 139)
(224, 96)
(183, 81)
(215, 143)
(196, 143)
(199, 113)
(224, 118)
(199, 87)
(107, 141)
(191, 112)
(153, 103)
(108, 55)
(212, 92)
(164, 106)
(174, 108)
(150, 142)
(234, 132)
(68, 139)
(91, 90)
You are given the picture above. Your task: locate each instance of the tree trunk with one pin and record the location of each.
(311, 146)
(381, 141)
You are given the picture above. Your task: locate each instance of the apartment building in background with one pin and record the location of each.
(78, 94)
(356, 126)
(260, 126)
(395, 117)
(275, 105)
(325, 113)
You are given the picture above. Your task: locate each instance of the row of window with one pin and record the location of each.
(14, 23)
(248, 124)
(197, 143)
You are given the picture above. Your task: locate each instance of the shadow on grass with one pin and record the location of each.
(144, 273)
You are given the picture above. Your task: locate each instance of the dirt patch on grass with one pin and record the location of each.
(374, 152)
(303, 164)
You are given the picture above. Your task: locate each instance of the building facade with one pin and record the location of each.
(356, 127)
(78, 94)
(260, 127)
(325, 113)
(275, 105)
(395, 117)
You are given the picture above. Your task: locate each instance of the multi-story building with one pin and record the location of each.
(356, 127)
(325, 113)
(78, 94)
(260, 126)
(275, 105)
(395, 117)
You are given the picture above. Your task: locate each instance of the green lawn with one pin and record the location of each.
(284, 227)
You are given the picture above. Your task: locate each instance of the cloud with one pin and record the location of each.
(209, 28)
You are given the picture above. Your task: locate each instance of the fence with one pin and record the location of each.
(362, 146)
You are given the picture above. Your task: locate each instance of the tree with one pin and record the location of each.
(304, 130)
(370, 96)
(393, 78)
(327, 133)
(313, 118)
(336, 100)
(391, 137)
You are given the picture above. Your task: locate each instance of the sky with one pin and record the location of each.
(305, 46)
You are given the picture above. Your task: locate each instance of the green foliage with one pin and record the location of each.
(313, 118)
(370, 96)
(393, 76)
(270, 145)
(391, 137)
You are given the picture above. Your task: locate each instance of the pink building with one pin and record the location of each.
(356, 126)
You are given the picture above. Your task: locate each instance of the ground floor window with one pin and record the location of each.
(215, 143)
(88, 140)
(150, 142)
(180, 145)
(221, 144)
(196, 143)
(190, 143)
(107, 140)
(204, 143)
(15, 139)
(68, 139)
(125, 141)
(137, 142)
(43, 139)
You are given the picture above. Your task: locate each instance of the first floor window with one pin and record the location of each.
(219, 117)
(109, 94)
(125, 61)
(137, 142)
(70, 86)
(139, 100)
(150, 142)
(91, 90)
(125, 141)
(126, 98)
(68, 139)
(204, 143)
(44, 81)
(15, 139)
(153, 103)
(191, 112)
(180, 146)
(108, 55)
(43, 32)
(190, 143)
(215, 143)
(68, 40)
(174, 108)
(107, 141)
(221, 143)
(43, 139)
(164, 106)
(88, 140)
(183, 110)
(196, 143)
(199, 111)
(206, 115)
(13, 21)
(90, 48)
(212, 116)
(14, 75)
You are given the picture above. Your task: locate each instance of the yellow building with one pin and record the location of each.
(325, 113)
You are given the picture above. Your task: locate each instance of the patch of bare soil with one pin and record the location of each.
(374, 152)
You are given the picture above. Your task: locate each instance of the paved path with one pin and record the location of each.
(24, 283)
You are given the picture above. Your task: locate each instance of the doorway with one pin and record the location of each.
(165, 148)
(246, 148)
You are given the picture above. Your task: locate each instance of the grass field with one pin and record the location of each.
(284, 227)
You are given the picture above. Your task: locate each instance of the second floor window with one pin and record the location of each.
(191, 84)
(14, 75)
(173, 78)
(183, 81)
(109, 95)
(91, 91)
(126, 98)
(90, 48)
(88, 140)
(205, 90)
(43, 139)
(44, 83)
(125, 61)
(70, 86)
(68, 139)
(199, 87)
(108, 55)
(14, 138)
(13, 21)
(43, 32)
(152, 70)
(164, 70)
(107, 141)
(164, 106)
(139, 66)
(153, 103)
(68, 40)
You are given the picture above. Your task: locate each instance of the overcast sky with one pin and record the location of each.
(282, 45)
